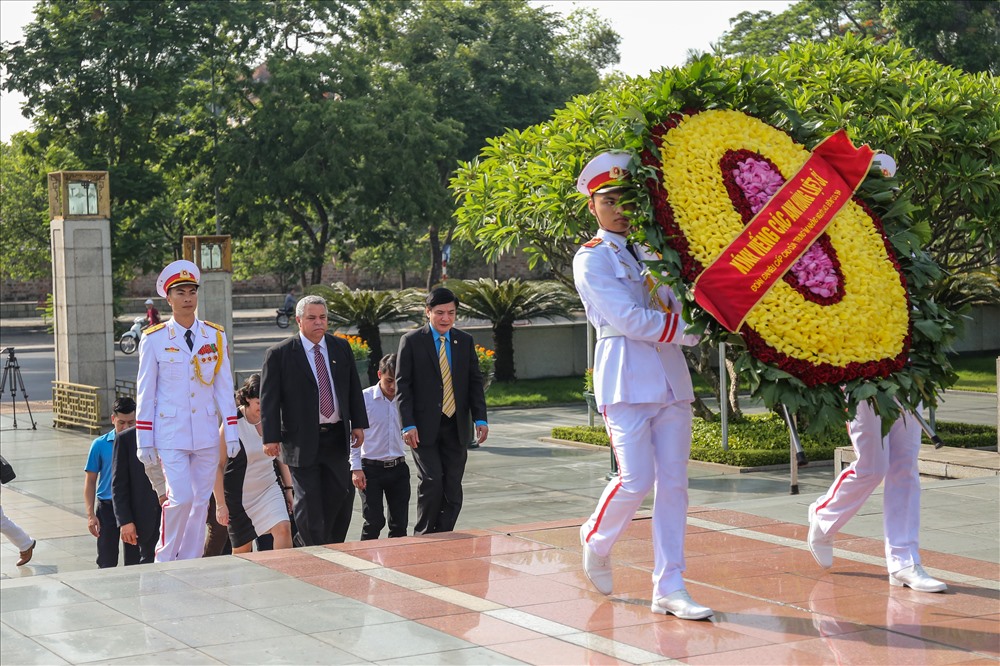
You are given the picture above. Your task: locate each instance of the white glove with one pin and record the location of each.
(233, 448)
(689, 340)
(146, 455)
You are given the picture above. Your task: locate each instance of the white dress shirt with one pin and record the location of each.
(307, 345)
(383, 440)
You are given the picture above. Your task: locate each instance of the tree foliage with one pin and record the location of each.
(24, 205)
(764, 33)
(368, 310)
(320, 123)
(487, 66)
(939, 123)
(961, 33)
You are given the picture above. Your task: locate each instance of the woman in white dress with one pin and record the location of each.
(250, 498)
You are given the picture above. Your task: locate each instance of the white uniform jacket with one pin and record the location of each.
(638, 356)
(181, 393)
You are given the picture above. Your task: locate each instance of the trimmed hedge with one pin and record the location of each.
(762, 439)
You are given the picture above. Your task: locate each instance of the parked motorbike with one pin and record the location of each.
(283, 317)
(129, 341)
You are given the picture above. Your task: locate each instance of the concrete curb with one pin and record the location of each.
(718, 468)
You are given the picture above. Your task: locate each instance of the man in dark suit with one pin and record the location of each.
(440, 395)
(313, 411)
(136, 505)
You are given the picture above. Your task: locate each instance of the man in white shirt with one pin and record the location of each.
(378, 467)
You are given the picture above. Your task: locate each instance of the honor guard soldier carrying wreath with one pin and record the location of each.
(643, 390)
(184, 387)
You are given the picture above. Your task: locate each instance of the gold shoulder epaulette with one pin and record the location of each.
(215, 326)
(593, 242)
(154, 328)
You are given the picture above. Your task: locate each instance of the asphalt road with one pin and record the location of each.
(35, 357)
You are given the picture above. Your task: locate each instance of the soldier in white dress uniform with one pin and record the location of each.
(643, 389)
(184, 387)
(892, 459)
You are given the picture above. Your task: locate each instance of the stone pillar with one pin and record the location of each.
(215, 300)
(81, 282)
(213, 256)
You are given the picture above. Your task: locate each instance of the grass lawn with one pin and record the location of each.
(535, 392)
(976, 372)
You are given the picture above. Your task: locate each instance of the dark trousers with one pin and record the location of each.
(440, 468)
(392, 483)
(107, 543)
(216, 535)
(324, 494)
(147, 539)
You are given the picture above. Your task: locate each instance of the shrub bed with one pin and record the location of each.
(762, 439)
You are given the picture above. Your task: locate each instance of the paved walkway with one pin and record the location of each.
(508, 587)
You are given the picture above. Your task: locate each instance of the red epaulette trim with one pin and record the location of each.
(593, 242)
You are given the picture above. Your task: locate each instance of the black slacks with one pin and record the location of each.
(392, 483)
(108, 542)
(324, 494)
(440, 468)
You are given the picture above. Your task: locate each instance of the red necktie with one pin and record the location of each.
(323, 379)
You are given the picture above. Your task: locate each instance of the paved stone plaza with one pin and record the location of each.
(507, 588)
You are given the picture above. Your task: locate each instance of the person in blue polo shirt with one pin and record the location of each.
(97, 486)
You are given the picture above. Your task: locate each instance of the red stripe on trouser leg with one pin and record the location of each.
(833, 491)
(843, 475)
(607, 500)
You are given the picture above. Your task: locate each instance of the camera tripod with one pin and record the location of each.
(12, 371)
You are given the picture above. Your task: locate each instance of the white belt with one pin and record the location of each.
(608, 331)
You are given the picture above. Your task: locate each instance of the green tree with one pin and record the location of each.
(24, 205)
(126, 86)
(487, 66)
(368, 310)
(765, 33)
(507, 302)
(961, 33)
(938, 122)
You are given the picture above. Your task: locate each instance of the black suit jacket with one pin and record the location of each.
(132, 495)
(421, 389)
(289, 397)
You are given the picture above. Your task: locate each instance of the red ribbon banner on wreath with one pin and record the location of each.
(782, 230)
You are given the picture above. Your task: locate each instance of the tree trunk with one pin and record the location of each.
(735, 413)
(503, 344)
(434, 274)
(701, 410)
(373, 337)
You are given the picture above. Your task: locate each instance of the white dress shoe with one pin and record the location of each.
(917, 579)
(679, 603)
(597, 568)
(820, 545)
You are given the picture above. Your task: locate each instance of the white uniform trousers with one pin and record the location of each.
(895, 460)
(190, 479)
(13, 531)
(651, 442)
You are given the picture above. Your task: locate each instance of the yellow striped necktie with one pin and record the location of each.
(448, 402)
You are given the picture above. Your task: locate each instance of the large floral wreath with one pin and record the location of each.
(839, 326)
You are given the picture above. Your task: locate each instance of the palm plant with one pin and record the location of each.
(504, 303)
(368, 310)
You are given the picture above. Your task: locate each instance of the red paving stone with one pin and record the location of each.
(773, 604)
